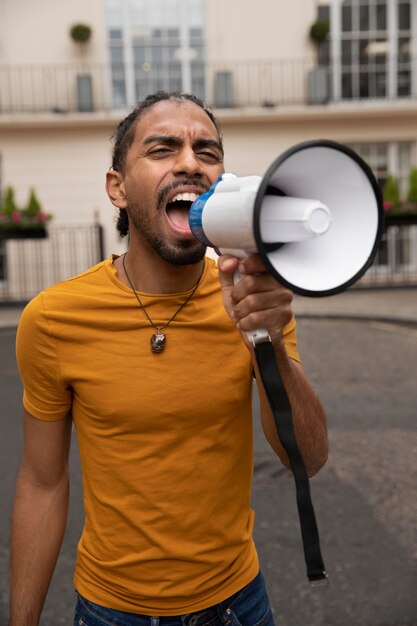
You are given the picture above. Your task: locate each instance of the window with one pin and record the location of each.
(383, 159)
(388, 158)
(117, 67)
(155, 45)
(373, 38)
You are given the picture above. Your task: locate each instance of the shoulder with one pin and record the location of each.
(89, 278)
(65, 295)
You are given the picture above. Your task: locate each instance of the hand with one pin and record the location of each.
(257, 300)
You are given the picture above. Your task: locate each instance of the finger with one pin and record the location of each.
(227, 263)
(255, 283)
(227, 266)
(278, 304)
(270, 319)
(252, 264)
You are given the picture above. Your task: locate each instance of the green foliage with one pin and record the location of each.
(9, 204)
(393, 203)
(33, 206)
(391, 191)
(80, 33)
(319, 31)
(31, 216)
(412, 188)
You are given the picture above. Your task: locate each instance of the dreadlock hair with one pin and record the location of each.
(125, 134)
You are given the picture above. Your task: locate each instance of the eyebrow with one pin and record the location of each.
(170, 140)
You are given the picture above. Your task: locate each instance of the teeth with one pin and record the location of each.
(189, 197)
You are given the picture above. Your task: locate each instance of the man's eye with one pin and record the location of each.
(209, 156)
(160, 151)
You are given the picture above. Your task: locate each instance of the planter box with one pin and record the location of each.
(23, 233)
(400, 220)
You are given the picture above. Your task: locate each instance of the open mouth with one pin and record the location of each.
(177, 211)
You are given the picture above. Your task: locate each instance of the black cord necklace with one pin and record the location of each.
(158, 339)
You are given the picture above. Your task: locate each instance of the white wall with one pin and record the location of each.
(37, 31)
(250, 147)
(242, 30)
(67, 167)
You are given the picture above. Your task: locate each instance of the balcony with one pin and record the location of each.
(87, 88)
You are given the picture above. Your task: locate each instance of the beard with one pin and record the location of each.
(185, 252)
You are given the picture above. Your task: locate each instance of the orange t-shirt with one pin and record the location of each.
(165, 439)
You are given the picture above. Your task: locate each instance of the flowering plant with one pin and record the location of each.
(30, 217)
(393, 203)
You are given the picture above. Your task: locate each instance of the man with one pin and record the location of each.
(153, 369)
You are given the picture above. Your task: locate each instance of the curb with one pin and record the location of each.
(359, 317)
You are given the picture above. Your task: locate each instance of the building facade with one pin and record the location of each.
(270, 85)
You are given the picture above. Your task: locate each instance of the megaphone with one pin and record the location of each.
(315, 217)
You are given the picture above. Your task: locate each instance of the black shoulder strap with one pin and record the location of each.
(281, 409)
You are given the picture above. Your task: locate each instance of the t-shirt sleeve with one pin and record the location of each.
(289, 335)
(45, 396)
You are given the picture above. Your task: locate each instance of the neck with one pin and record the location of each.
(156, 275)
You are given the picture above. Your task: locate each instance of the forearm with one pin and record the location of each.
(307, 413)
(38, 525)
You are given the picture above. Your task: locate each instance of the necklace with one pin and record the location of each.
(158, 339)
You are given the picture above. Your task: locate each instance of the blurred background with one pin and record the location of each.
(276, 73)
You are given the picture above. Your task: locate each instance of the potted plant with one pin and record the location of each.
(318, 78)
(22, 223)
(81, 34)
(397, 210)
(391, 193)
(319, 31)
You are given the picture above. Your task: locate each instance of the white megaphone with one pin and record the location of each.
(316, 217)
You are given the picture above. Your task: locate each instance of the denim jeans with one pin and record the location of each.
(248, 607)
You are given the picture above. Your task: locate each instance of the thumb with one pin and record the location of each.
(227, 267)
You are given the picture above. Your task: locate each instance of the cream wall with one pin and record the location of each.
(264, 29)
(37, 32)
(67, 167)
(66, 159)
(251, 146)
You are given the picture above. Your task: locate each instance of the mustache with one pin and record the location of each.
(166, 190)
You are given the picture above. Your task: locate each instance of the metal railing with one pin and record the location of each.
(395, 264)
(27, 266)
(86, 87)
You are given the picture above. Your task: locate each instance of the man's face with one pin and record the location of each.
(175, 157)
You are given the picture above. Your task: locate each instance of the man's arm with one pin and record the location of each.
(307, 414)
(39, 516)
(259, 301)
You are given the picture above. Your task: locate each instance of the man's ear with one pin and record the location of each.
(116, 189)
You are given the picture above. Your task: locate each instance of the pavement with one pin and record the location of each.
(365, 497)
(395, 305)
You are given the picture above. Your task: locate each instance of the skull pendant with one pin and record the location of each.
(158, 341)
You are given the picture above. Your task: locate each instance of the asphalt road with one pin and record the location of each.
(365, 498)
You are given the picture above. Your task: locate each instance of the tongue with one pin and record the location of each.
(178, 217)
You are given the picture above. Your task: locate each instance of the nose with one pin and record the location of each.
(187, 163)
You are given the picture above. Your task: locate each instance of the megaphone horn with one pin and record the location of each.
(316, 217)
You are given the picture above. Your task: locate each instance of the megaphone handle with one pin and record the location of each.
(260, 335)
